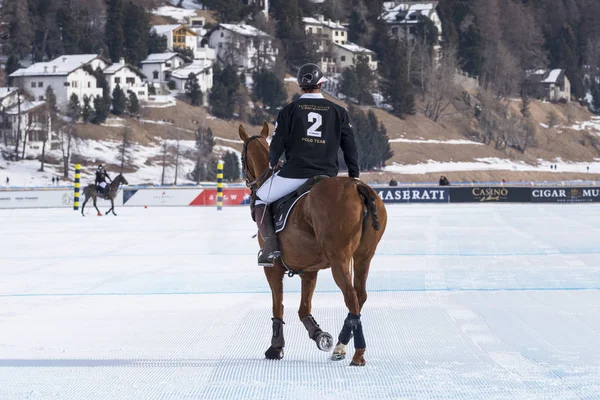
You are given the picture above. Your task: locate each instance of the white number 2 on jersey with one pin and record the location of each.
(317, 122)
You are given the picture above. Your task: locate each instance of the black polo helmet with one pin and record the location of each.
(310, 75)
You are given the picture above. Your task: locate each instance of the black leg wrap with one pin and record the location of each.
(359, 336)
(311, 326)
(277, 341)
(348, 329)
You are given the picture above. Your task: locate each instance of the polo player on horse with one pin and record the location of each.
(310, 131)
(101, 185)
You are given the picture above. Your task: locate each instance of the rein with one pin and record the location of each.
(252, 183)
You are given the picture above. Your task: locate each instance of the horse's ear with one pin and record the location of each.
(243, 134)
(265, 130)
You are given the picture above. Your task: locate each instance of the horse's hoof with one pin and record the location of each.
(324, 341)
(274, 353)
(360, 363)
(358, 360)
(338, 356)
(99, 214)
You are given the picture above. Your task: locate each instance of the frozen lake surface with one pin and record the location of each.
(474, 301)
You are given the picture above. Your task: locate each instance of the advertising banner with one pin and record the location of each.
(231, 197)
(36, 198)
(413, 195)
(494, 194)
(160, 196)
(565, 195)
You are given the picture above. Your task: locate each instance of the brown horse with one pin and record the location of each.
(90, 192)
(339, 225)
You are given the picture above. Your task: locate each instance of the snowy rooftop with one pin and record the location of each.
(159, 58)
(552, 76)
(178, 14)
(328, 23)
(26, 106)
(244, 30)
(197, 67)
(5, 91)
(354, 48)
(164, 29)
(62, 65)
(410, 11)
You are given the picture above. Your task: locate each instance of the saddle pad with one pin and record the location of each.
(280, 215)
(281, 208)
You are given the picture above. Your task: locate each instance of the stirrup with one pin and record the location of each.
(270, 260)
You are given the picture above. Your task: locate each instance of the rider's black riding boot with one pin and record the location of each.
(270, 250)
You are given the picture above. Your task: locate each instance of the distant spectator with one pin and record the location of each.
(444, 181)
(393, 182)
(52, 181)
(7, 181)
(588, 168)
(503, 181)
(57, 179)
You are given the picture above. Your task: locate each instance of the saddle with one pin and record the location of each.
(281, 208)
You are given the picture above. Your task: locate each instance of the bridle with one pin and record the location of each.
(252, 182)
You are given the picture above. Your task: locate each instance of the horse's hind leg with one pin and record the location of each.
(323, 339)
(96, 207)
(275, 278)
(83, 206)
(352, 324)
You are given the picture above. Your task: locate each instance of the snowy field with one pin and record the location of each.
(465, 302)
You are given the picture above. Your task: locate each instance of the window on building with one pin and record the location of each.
(74, 84)
(395, 30)
(89, 84)
(33, 84)
(41, 98)
(141, 93)
(337, 33)
(320, 31)
(343, 58)
(310, 30)
(334, 59)
(131, 81)
(155, 74)
(40, 84)
(117, 80)
(222, 34)
(168, 65)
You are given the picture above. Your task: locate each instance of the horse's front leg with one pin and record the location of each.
(323, 339)
(275, 278)
(96, 207)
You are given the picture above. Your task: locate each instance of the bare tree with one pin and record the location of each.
(46, 133)
(125, 147)
(18, 138)
(65, 136)
(177, 153)
(439, 87)
(165, 151)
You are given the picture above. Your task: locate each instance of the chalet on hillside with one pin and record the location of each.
(551, 85)
(402, 17)
(243, 46)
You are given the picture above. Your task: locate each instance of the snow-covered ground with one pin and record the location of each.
(188, 4)
(433, 141)
(147, 159)
(495, 164)
(465, 302)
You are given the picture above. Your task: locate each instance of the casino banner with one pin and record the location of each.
(490, 194)
(231, 197)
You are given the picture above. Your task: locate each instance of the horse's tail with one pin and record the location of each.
(368, 197)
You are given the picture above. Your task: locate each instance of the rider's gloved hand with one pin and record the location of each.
(277, 166)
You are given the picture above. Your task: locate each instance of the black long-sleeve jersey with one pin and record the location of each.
(101, 176)
(310, 131)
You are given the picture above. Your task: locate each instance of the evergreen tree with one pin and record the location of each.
(231, 167)
(50, 99)
(192, 89)
(102, 83)
(115, 36)
(136, 33)
(223, 95)
(395, 86)
(269, 89)
(47, 41)
(524, 108)
(18, 32)
(371, 139)
(133, 105)
(74, 108)
(12, 64)
(366, 79)
(100, 113)
(349, 84)
(298, 46)
(596, 97)
(227, 10)
(86, 110)
(203, 168)
(67, 25)
(119, 101)
(156, 43)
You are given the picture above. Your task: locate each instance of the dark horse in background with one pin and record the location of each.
(338, 225)
(90, 192)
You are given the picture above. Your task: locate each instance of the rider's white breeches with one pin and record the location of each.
(281, 187)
